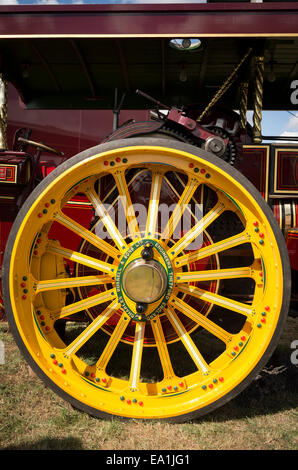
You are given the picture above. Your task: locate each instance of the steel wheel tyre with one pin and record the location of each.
(215, 295)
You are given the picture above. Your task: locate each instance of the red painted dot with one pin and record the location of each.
(128, 402)
(38, 240)
(169, 387)
(105, 162)
(263, 320)
(41, 317)
(141, 403)
(23, 284)
(104, 380)
(39, 215)
(261, 235)
(236, 348)
(210, 385)
(47, 328)
(55, 361)
(203, 171)
(118, 159)
(256, 223)
(267, 308)
(243, 338)
(221, 379)
(35, 252)
(47, 204)
(24, 297)
(191, 165)
(261, 273)
(93, 375)
(63, 371)
(181, 384)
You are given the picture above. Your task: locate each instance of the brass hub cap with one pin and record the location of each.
(149, 282)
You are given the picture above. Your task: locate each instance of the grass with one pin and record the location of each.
(263, 417)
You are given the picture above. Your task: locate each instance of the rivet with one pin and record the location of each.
(97, 379)
(42, 323)
(256, 229)
(240, 344)
(112, 163)
(233, 353)
(261, 242)
(214, 381)
(124, 160)
(52, 356)
(60, 364)
(25, 278)
(134, 400)
(175, 388)
(122, 398)
(207, 175)
(263, 314)
(53, 201)
(196, 170)
(87, 373)
(259, 325)
(45, 211)
(163, 389)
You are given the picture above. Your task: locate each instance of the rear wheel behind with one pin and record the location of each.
(172, 335)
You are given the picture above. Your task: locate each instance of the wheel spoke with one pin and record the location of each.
(66, 283)
(157, 177)
(188, 342)
(182, 244)
(216, 299)
(91, 329)
(106, 220)
(162, 348)
(136, 361)
(213, 249)
(203, 321)
(86, 234)
(210, 275)
(112, 343)
(124, 194)
(181, 205)
(81, 259)
(84, 304)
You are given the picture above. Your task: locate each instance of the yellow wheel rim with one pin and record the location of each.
(223, 345)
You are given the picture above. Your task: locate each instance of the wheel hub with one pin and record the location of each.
(144, 282)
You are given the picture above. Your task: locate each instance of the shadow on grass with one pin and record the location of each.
(273, 390)
(49, 443)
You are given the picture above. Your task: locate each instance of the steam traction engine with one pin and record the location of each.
(119, 309)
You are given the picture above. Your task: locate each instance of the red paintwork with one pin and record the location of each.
(205, 19)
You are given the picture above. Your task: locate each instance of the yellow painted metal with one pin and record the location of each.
(92, 384)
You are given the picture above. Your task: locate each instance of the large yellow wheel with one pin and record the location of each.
(173, 297)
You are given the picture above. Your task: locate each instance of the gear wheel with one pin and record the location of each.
(231, 151)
